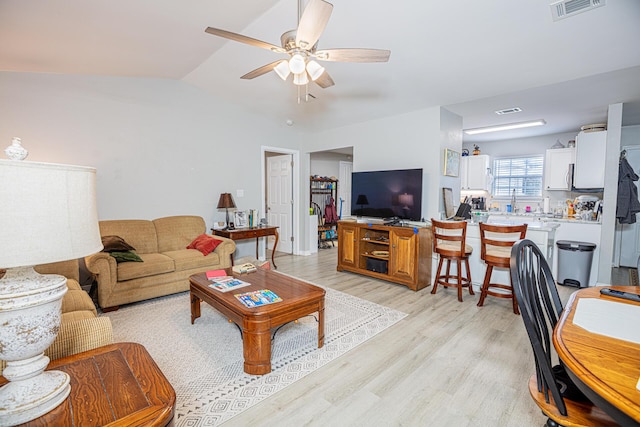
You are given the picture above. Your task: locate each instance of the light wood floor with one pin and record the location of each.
(445, 364)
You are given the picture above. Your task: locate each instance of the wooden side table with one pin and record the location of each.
(119, 385)
(250, 233)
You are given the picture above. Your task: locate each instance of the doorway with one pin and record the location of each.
(279, 184)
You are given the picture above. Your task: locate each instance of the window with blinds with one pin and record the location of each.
(524, 174)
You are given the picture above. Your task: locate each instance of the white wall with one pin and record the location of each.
(630, 136)
(326, 164)
(161, 147)
(406, 141)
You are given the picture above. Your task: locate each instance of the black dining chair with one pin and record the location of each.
(540, 307)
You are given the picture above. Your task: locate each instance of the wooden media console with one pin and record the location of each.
(399, 254)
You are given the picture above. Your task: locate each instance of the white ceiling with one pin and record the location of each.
(471, 57)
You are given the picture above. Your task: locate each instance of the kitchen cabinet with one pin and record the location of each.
(396, 254)
(347, 244)
(557, 168)
(591, 148)
(475, 173)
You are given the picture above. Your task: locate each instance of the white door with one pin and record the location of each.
(279, 200)
(629, 234)
(343, 204)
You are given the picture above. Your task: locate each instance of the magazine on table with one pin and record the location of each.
(258, 298)
(228, 283)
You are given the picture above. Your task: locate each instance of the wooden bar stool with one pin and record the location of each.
(449, 242)
(496, 242)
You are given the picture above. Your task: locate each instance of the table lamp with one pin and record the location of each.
(47, 214)
(362, 200)
(226, 202)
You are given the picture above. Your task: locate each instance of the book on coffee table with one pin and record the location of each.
(258, 298)
(227, 283)
(215, 274)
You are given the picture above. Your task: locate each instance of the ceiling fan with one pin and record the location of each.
(301, 46)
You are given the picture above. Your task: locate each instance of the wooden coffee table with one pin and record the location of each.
(115, 385)
(298, 299)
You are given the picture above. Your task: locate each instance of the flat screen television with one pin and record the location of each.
(387, 194)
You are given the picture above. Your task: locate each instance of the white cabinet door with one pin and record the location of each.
(591, 148)
(556, 168)
(474, 172)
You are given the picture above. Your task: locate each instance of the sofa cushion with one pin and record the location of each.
(115, 244)
(128, 256)
(76, 299)
(186, 259)
(205, 244)
(153, 264)
(139, 233)
(176, 232)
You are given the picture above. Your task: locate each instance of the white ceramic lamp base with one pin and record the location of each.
(30, 311)
(33, 397)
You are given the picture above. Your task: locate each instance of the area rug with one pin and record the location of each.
(204, 361)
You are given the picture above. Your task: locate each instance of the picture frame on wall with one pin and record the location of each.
(451, 162)
(240, 219)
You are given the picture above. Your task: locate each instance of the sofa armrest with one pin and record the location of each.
(105, 270)
(78, 336)
(225, 250)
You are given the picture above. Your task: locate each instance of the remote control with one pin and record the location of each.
(620, 294)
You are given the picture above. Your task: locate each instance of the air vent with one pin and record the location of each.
(509, 110)
(566, 8)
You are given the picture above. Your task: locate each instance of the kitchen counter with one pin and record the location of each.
(538, 217)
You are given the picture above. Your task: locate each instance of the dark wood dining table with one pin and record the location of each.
(605, 369)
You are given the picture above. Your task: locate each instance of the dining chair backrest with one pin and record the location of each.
(449, 237)
(540, 307)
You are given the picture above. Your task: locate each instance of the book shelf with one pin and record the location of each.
(320, 191)
(396, 254)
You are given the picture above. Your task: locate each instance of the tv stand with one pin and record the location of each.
(394, 253)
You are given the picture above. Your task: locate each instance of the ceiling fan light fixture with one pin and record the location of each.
(315, 70)
(282, 69)
(297, 64)
(300, 79)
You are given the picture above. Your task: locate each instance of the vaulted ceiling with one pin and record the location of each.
(471, 57)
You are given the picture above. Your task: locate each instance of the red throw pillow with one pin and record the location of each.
(205, 244)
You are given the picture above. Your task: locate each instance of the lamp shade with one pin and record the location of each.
(406, 200)
(47, 213)
(226, 201)
(300, 79)
(297, 64)
(315, 70)
(362, 200)
(282, 69)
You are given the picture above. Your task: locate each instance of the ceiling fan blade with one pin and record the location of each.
(243, 39)
(353, 55)
(260, 71)
(312, 23)
(325, 80)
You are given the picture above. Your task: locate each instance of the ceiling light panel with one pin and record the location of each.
(507, 126)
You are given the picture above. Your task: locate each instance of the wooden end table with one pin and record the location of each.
(298, 300)
(250, 233)
(117, 385)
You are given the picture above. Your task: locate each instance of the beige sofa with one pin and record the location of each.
(167, 263)
(81, 329)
